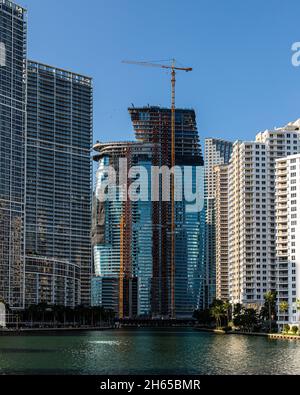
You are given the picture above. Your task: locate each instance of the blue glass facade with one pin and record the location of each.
(135, 256)
(12, 152)
(142, 248)
(189, 257)
(106, 246)
(153, 125)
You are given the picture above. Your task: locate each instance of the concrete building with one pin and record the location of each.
(13, 36)
(252, 212)
(217, 152)
(221, 228)
(58, 186)
(288, 239)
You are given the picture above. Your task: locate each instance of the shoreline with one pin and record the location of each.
(271, 336)
(45, 331)
(25, 331)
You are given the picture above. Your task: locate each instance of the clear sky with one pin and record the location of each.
(243, 80)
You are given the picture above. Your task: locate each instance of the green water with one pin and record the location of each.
(147, 351)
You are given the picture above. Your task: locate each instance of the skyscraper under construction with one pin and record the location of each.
(132, 239)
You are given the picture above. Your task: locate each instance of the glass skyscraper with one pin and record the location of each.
(132, 239)
(58, 193)
(116, 234)
(12, 151)
(153, 125)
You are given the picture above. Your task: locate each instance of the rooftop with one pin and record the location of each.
(13, 6)
(60, 72)
(157, 108)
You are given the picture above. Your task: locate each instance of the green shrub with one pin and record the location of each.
(286, 328)
(294, 329)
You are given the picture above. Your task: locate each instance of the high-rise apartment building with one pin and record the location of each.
(12, 151)
(217, 152)
(58, 186)
(132, 241)
(221, 229)
(288, 239)
(252, 212)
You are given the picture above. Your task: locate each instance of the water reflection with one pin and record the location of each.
(182, 351)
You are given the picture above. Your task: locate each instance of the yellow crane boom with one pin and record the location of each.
(161, 66)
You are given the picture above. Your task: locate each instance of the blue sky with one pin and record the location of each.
(243, 80)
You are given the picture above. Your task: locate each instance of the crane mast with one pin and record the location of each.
(121, 276)
(173, 69)
(173, 225)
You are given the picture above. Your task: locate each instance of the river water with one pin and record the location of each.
(147, 351)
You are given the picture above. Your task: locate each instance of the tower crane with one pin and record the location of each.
(173, 69)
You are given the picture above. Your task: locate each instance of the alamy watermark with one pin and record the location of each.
(2, 55)
(151, 183)
(296, 55)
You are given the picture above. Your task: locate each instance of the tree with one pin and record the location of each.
(294, 330)
(283, 307)
(67, 313)
(298, 305)
(218, 312)
(238, 312)
(286, 328)
(270, 303)
(57, 311)
(227, 308)
(42, 308)
(33, 313)
(249, 319)
(203, 316)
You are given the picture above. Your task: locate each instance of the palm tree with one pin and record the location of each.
(42, 308)
(33, 310)
(283, 306)
(81, 312)
(217, 311)
(227, 308)
(57, 311)
(67, 313)
(270, 299)
(111, 316)
(297, 305)
(238, 312)
(250, 319)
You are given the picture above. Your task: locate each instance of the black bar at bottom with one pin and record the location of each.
(88, 385)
